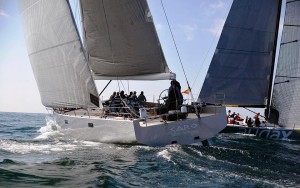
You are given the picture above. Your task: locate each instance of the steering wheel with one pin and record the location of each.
(163, 96)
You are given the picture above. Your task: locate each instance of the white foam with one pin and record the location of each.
(147, 148)
(90, 143)
(25, 147)
(51, 130)
(164, 154)
(199, 168)
(46, 136)
(212, 158)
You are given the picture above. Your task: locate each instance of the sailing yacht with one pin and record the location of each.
(119, 43)
(242, 70)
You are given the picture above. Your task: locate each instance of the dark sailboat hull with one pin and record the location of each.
(265, 132)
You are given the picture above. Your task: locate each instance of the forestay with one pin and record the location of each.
(55, 51)
(286, 92)
(121, 41)
(239, 73)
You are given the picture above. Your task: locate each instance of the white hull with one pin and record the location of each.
(153, 132)
(103, 130)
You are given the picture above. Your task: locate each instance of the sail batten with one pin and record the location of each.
(55, 51)
(241, 67)
(244, 51)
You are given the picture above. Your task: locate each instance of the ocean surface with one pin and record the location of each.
(33, 155)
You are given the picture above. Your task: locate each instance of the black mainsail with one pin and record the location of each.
(240, 72)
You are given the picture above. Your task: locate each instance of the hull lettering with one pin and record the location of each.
(181, 128)
(274, 134)
(266, 133)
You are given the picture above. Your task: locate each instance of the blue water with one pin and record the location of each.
(33, 155)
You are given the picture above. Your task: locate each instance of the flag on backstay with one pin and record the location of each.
(187, 91)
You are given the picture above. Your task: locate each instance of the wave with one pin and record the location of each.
(20, 178)
(9, 161)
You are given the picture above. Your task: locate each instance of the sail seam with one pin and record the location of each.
(45, 49)
(251, 29)
(110, 41)
(258, 52)
(240, 78)
(29, 7)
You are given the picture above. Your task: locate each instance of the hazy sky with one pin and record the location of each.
(196, 25)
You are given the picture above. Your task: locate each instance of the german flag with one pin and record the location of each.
(187, 91)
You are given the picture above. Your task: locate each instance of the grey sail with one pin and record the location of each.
(61, 71)
(286, 90)
(121, 40)
(240, 71)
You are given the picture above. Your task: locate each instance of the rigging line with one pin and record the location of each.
(254, 112)
(127, 86)
(120, 83)
(206, 55)
(132, 111)
(105, 87)
(214, 39)
(123, 85)
(196, 110)
(174, 42)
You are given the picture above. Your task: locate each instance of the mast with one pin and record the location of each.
(273, 61)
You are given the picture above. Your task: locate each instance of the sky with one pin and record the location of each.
(196, 26)
(18, 90)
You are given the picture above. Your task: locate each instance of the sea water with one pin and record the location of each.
(33, 154)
